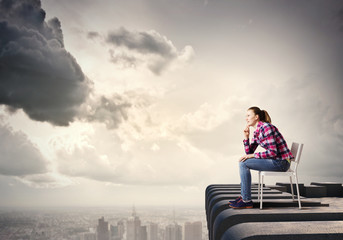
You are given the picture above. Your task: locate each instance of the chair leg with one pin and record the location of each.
(259, 186)
(290, 179)
(298, 193)
(261, 200)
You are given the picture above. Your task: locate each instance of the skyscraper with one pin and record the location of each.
(173, 232)
(114, 233)
(133, 226)
(102, 230)
(117, 232)
(121, 229)
(193, 231)
(153, 231)
(143, 233)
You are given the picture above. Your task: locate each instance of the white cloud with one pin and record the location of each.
(186, 165)
(146, 144)
(210, 116)
(155, 147)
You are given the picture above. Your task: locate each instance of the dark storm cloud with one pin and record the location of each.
(338, 16)
(55, 26)
(37, 74)
(19, 156)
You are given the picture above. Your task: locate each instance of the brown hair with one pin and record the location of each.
(263, 114)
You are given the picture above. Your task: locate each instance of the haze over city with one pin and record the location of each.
(143, 102)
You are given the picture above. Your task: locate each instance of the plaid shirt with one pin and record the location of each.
(268, 136)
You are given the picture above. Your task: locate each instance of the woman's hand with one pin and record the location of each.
(245, 157)
(246, 132)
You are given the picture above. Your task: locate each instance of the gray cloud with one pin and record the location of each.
(149, 46)
(92, 35)
(113, 110)
(45, 180)
(108, 110)
(143, 42)
(124, 59)
(19, 156)
(36, 73)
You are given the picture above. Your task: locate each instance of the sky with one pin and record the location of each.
(143, 102)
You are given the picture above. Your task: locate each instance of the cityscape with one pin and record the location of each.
(149, 223)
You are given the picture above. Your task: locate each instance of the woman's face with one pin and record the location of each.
(251, 118)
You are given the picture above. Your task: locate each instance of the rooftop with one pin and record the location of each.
(321, 216)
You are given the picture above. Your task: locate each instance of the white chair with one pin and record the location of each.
(296, 150)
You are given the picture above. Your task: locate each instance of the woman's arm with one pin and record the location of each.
(249, 148)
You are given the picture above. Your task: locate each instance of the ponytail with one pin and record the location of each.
(266, 117)
(263, 114)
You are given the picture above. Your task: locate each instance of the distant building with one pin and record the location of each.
(133, 226)
(173, 232)
(152, 231)
(114, 233)
(143, 235)
(121, 229)
(193, 231)
(87, 236)
(117, 232)
(102, 230)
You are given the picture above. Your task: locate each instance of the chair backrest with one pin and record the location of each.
(296, 150)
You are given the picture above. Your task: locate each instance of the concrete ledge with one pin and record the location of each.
(230, 217)
(234, 192)
(280, 188)
(288, 185)
(333, 189)
(279, 210)
(238, 193)
(315, 191)
(228, 197)
(314, 230)
(276, 204)
(212, 186)
(236, 188)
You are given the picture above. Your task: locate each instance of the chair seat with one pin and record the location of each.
(268, 173)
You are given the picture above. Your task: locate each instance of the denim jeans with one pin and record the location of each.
(259, 164)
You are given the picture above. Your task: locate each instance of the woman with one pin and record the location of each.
(276, 157)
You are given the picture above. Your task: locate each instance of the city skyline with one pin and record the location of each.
(143, 102)
(90, 224)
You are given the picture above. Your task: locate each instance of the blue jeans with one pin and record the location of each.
(259, 164)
